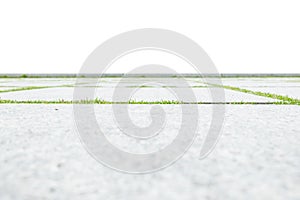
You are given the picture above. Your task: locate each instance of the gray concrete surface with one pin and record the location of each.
(257, 156)
(146, 94)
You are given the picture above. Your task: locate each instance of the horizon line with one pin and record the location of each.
(74, 75)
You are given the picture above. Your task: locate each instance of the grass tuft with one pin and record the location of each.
(284, 99)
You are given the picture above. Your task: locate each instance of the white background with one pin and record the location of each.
(240, 36)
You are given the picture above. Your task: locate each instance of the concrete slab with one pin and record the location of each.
(37, 82)
(142, 94)
(257, 157)
(262, 82)
(104, 82)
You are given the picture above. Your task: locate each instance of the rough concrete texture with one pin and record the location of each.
(257, 157)
(142, 94)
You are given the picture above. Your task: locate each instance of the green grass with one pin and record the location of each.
(24, 88)
(200, 86)
(169, 86)
(23, 76)
(155, 102)
(141, 86)
(166, 102)
(284, 99)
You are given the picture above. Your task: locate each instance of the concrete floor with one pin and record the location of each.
(257, 156)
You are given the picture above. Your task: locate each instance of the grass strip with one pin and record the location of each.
(285, 99)
(99, 101)
(24, 88)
